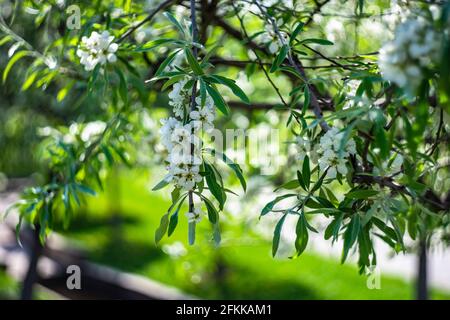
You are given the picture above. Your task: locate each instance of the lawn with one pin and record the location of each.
(117, 228)
(10, 289)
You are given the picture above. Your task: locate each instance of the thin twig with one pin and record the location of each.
(260, 62)
(160, 7)
(299, 68)
(438, 133)
(194, 87)
(326, 58)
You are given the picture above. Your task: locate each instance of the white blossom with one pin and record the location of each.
(303, 148)
(195, 216)
(184, 152)
(328, 153)
(179, 98)
(204, 114)
(182, 140)
(168, 126)
(97, 49)
(271, 40)
(414, 49)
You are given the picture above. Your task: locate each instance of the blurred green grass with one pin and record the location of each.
(117, 228)
(10, 289)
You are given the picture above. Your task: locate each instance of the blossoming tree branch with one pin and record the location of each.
(369, 128)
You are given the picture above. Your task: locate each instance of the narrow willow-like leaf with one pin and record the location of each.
(279, 58)
(277, 235)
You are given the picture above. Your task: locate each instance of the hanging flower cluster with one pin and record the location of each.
(414, 49)
(97, 49)
(180, 135)
(180, 140)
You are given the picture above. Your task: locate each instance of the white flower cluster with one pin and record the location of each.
(180, 135)
(414, 49)
(97, 49)
(204, 115)
(303, 148)
(179, 98)
(326, 152)
(179, 139)
(195, 216)
(271, 39)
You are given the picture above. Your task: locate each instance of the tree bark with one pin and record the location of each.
(31, 276)
(422, 277)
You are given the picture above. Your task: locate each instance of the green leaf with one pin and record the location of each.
(61, 93)
(277, 234)
(318, 41)
(293, 184)
(268, 207)
(85, 189)
(123, 87)
(5, 39)
(166, 62)
(306, 172)
(107, 154)
(163, 224)
(171, 81)
(325, 211)
(175, 194)
(218, 100)
(301, 180)
(195, 66)
(233, 86)
(334, 227)
(173, 222)
(361, 194)
(19, 55)
(332, 198)
(350, 235)
(213, 186)
(216, 234)
(30, 80)
(213, 215)
(301, 232)
(296, 32)
(388, 231)
(318, 184)
(235, 167)
(163, 183)
(175, 22)
(191, 233)
(311, 203)
(156, 43)
(279, 58)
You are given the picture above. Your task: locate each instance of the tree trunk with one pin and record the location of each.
(31, 276)
(422, 280)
